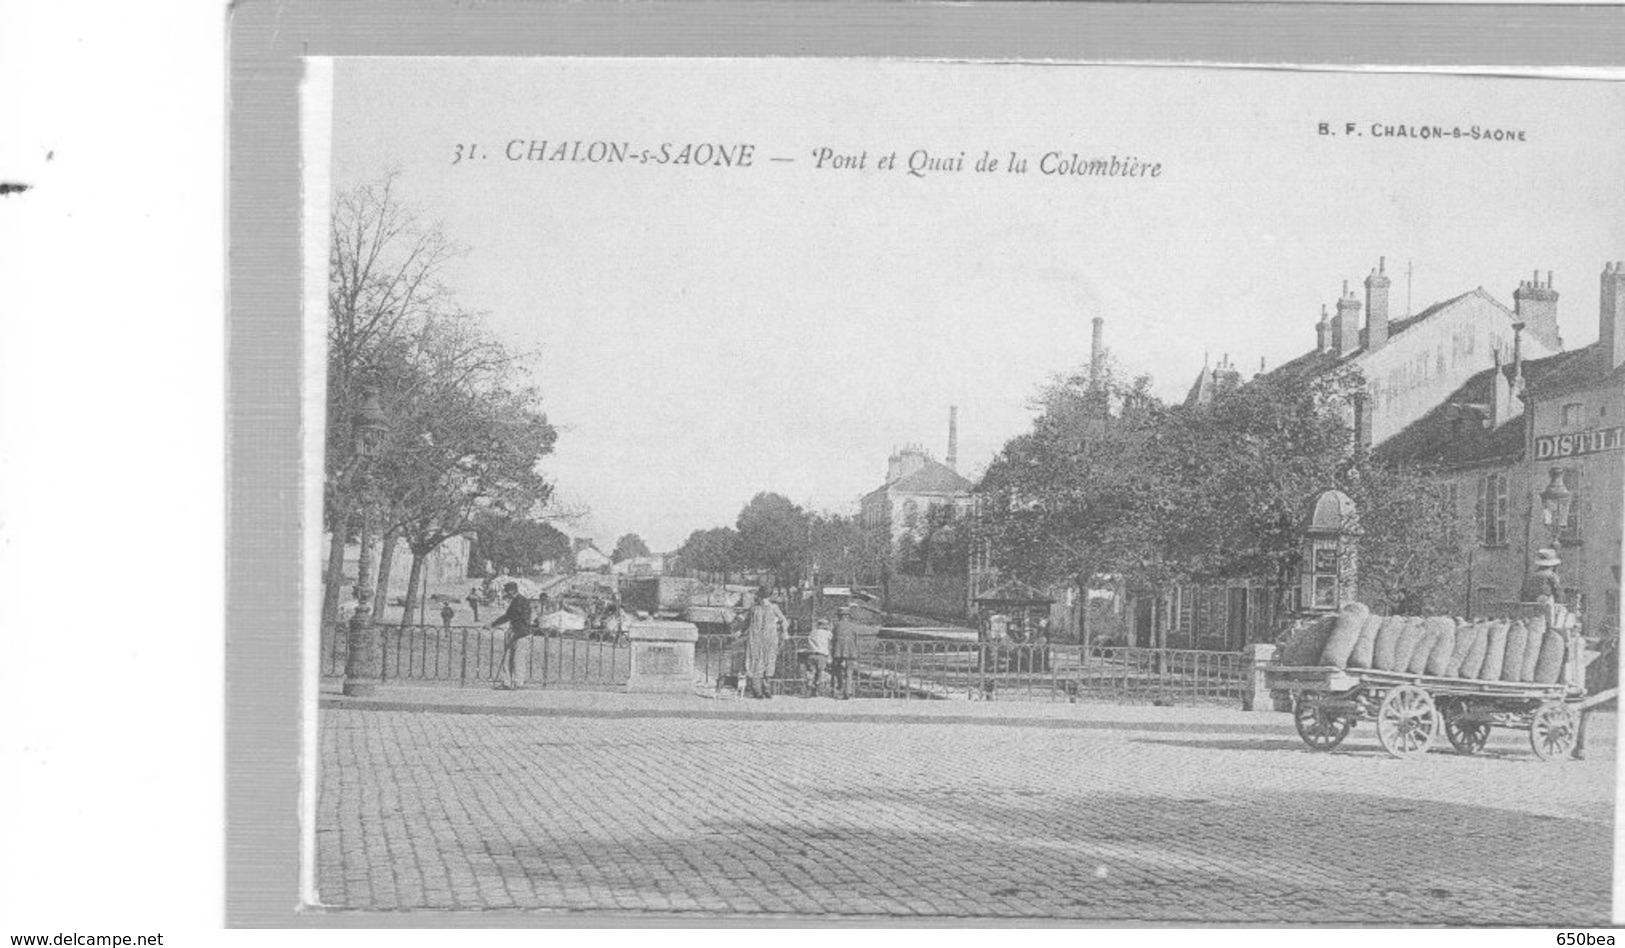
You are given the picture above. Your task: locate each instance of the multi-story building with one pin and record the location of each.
(1412, 368)
(1412, 364)
(918, 489)
(1532, 455)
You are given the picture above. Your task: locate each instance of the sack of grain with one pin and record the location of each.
(1409, 638)
(1517, 644)
(1464, 642)
(1307, 642)
(1444, 644)
(1424, 648)
(1382, 656)
(1550, 666)
(1531, 653)
(1365, 646)
(1345, 632)
(1495, 652)
(1480, 636)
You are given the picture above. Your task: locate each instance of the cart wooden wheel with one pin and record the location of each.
(1406, 722)
(1320, 729)
(1466, 738)
(1553, 730)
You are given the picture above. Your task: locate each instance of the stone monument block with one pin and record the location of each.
(662, 656)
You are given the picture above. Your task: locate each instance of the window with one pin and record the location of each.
(1491, 510)
(1573, 415)
(1569, 535)
(1450, 499)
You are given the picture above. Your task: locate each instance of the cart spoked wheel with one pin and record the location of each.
(1466, 738)
(1320, 729)
(1553, 731)
(1406, 722)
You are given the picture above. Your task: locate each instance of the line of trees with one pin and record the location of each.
(1112, 485)
(774, 537)
(465, 430)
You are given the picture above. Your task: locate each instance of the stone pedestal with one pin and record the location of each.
(1257, 696)
(662, 657)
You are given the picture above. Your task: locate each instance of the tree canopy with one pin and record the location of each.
(1155, 495)
(773, 535)
(629, 546)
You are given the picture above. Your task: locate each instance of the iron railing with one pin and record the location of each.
(887, 669)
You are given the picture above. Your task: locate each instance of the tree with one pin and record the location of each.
(629, 546)
(1412, 555)
(1228, 481)
(710, 551)
(1066, 502)
(773, 536)
(465, 438)
(843, 551)
(384, 281)
(518, 546)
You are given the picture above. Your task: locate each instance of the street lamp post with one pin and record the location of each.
(1554, 502)
(363, 664)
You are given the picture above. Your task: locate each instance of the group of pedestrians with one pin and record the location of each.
(830, 650)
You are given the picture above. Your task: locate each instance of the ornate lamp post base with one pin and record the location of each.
(361, 676)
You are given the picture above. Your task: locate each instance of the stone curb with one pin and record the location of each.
(1266, 724)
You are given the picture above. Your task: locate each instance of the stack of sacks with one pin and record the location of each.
(1344, 635)
(1524, 650)
(1307, 642)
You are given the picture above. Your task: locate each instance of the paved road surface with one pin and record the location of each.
(423, 809)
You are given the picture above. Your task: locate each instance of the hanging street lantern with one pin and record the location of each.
(1554, 502)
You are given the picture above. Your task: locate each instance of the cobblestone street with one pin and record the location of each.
(423, 809)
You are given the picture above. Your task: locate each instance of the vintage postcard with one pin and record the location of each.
(916, 491)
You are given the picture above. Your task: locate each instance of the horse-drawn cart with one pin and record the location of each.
(1410, 710)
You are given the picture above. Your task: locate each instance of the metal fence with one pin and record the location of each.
(919, 670)
(1035, 672)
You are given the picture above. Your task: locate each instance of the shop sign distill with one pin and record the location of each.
(1551, 447)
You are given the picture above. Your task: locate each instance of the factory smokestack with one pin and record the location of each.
(953, 437)
(1096, 353)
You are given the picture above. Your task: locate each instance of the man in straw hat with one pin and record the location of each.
(1543, 584)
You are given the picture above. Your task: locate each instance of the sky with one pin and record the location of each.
(705, 333)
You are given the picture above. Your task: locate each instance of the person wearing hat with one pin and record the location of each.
(518, 620)
(843, 652)
(815, 660)
(1543, 584)
(765, 630)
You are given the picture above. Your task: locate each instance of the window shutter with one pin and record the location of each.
(1480, 522)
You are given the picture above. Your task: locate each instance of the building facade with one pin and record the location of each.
(918, 489)
(1531, 455)
(1412, 364)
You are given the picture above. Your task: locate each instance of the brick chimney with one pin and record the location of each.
(1376, 307)
(1611, 317)
(1536, 305)
(953, 432)
(1504, 402)
(1323, 332)
(1346, 324)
